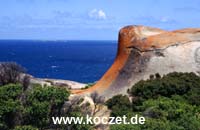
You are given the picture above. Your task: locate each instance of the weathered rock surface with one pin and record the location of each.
(57, 82)
(143, 51)
(88, 107)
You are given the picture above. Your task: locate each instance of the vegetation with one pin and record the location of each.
(26, 106)
(88, 85)
(186, 85)
(28, 127)
(42, 104)
(10, 72)
(120, 105)
(170, 102)
(10, 104)
(34, 107)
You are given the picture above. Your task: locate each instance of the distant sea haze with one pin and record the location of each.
(82, 61)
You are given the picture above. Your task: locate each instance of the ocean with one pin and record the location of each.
(82, 61)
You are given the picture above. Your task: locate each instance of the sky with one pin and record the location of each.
(91, 19)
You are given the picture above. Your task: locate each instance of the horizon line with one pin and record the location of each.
(57, 40)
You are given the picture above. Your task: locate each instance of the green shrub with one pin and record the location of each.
(10, 91)
(28, 127)
(124, 127)
(168, 85)
(170, 102)
(42, 103)
(33, 107)
(10, 105)
(120, 105)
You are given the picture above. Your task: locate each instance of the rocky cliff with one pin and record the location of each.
(143, 51)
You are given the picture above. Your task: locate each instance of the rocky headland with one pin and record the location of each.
(143, 51)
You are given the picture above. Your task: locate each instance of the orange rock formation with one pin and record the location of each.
(138, 47)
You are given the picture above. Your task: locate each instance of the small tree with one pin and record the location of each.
(10, 72)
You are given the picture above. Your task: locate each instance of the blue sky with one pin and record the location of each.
(91, 19)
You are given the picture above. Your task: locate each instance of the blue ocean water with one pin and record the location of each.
(83, 61)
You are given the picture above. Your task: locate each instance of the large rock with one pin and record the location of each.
(143, 51)
(88, 107)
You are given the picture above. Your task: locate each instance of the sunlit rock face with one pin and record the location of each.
(143, 51)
